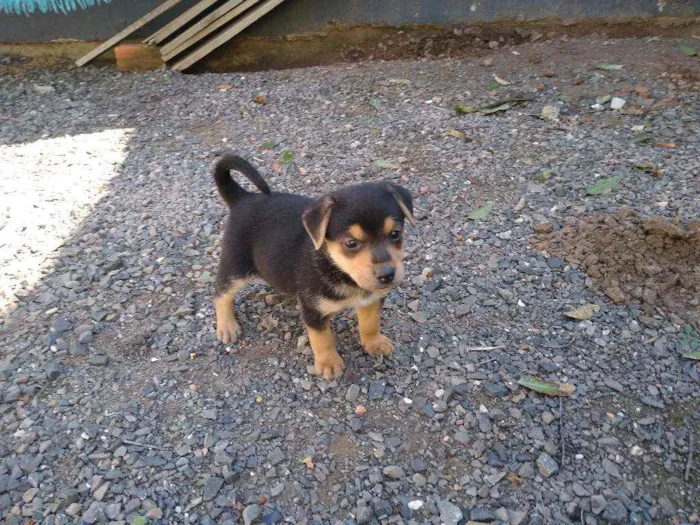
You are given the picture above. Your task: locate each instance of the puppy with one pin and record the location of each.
(343, 250)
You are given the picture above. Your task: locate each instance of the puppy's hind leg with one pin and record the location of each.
(227, 328)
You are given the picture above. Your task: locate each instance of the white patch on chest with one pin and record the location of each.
(333, 306)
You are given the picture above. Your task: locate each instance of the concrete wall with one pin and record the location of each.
(106, 17)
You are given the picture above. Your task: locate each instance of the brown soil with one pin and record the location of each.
(651, 260)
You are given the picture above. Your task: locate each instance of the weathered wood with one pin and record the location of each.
(226, 35)
(137, 57)
(169, 29)
(219, 17)
(109, 44)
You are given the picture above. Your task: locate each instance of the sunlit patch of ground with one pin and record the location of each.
(43, 197)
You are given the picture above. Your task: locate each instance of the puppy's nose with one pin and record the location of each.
(385, 274)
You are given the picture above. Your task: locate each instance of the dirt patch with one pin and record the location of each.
(648, 260)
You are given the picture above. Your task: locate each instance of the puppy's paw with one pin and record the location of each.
(228, 331)
(378, 345)
(329, 367)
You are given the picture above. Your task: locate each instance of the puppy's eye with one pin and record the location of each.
(352, 244)
(395, 235)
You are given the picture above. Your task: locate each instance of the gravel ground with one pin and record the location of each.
(118, 404)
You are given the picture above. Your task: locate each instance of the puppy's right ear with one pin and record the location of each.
(316, 219)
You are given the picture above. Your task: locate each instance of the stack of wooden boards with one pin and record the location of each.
(194, 34)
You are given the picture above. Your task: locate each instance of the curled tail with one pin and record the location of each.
(229, 189)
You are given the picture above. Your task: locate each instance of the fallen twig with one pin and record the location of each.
(485, 361)
(483, 348)
(690, 455)
(144, 445)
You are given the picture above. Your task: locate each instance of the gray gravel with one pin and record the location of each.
(116, 400)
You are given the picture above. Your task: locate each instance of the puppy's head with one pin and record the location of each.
(361, 229)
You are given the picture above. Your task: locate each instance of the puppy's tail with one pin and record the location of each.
(229, 189)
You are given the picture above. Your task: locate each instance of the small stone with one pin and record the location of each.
(615, 385)
(251, 513)
(276, 456)
(653, 402)
(209, 414)
(54, 370)
(481, 514)
(155, 513)
(113, 510)
(611, 468)
(546, 465)
(78, 350)
(617, 103)
(550, 113)
(364, 514)
(212, 486)
(516, 517)
(450, 514)
(352, 393)
(95, 513)
(598, 503)
(544, 227)
(547, 418)
(433, 352)
(376, 390)
(496, 389)
(101, 491)
(394, 472)
(73, 509)
(419, 480)
(419, 317)
(29, 495)
(99, 360)
(615, 512)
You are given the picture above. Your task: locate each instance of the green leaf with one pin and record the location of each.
(287, 157)
(550, 389)
(493, 86)
(695, 356)
(455, 133)
(481, 213)
(609, 67)
(641, 138)
(494, 109)
(270, 144)
(465, 110)
(603, 185)
(386, 164)
(139, 520)
(375, 103)
(688, 50)
(542, 176)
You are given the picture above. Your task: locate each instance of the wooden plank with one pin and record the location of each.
(223, 37)
(169, 29)
(109, 44)
(205, 26)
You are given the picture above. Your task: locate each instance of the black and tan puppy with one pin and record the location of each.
(341, 251)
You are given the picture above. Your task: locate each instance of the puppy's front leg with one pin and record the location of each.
(327, 362)
(374, 343)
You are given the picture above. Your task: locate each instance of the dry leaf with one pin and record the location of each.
(261, 99)
(455, 133)
(550, 389)
(667, 145)
(360, 410)
(277, 167)
(309, 462)
(225, 87)
(583, 312)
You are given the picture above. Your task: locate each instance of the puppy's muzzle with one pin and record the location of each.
(385, 275)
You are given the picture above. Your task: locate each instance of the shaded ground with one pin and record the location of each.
(117, 400)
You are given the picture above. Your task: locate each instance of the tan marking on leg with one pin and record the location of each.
(227, 328)
(327, 362)
(374, 343)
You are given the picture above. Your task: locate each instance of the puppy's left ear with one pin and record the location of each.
(404, 200)
(316, 219)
